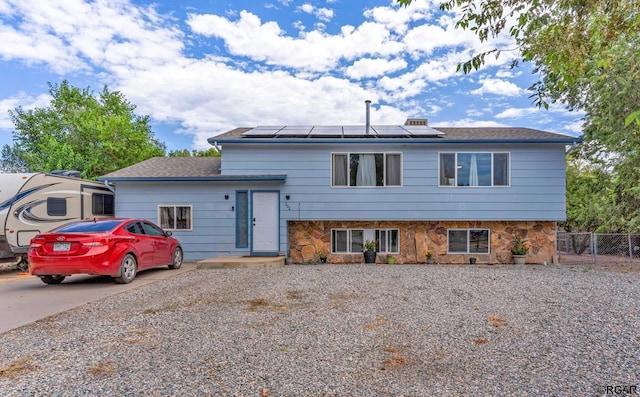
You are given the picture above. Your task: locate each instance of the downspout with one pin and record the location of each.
(106, 183)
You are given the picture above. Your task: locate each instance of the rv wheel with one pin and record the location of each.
(23, 265)
(55, 279)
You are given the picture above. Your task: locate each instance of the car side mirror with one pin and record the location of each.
(168, 233)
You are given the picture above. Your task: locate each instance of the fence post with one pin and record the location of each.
(630, 248)
(594, 247)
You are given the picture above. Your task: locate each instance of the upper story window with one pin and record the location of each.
(474, 169)
(366, 169)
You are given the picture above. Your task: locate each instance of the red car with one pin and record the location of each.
(108, 247)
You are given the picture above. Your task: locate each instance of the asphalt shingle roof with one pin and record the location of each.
(170, 167)
(451, 133)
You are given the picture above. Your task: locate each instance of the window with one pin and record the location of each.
(134, 228)
(468, 241)
(56, 206)
(474, 169)
(366, 169)
(102, 204)
(174, 217)
(242, 219)
(352, 240)
(152, 230)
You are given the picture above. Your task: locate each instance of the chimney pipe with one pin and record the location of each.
(368, 116)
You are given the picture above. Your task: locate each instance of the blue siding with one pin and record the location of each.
(214, 220)
(537, 190)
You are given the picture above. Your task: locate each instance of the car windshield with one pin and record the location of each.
(83, 227)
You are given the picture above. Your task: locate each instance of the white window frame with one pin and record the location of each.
(468, 230)
(367, 235)
(175, 220)
(455, 181)
(384, 169)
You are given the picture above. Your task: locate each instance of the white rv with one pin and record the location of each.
(38, 202)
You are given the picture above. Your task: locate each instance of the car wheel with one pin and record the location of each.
(128, 269)
(54, 279)
(177, 259)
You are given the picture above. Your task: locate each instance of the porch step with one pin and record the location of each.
(231, 262)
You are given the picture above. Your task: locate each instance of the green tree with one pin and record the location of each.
(79, 130)
(587, 56)
(212, 152)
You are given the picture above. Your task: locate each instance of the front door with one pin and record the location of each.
(265, 223)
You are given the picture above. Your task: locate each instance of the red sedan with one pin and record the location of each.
(108, 247)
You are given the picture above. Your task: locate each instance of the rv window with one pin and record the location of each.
(56, 206)
(102, 204)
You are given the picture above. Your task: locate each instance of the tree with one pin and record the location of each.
(587, 56)
(78, 130)
(212, 152)
(570, 42)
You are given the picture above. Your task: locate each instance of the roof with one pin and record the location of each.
(447, 135)
(165, 169)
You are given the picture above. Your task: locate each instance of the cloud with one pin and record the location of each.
(315, 50)
(497, 87)
(515, 112)
(21, 100)
(368, 67)
(323, 14)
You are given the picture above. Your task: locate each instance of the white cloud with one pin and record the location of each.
(323, 14)
(515, 113)
(497, 87)
(367, 67)
(315, 50)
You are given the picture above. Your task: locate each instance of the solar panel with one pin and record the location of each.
(351, 131)
(390, 131)
(262, 131)
(423, 131)
(331, 131)
(294, 131)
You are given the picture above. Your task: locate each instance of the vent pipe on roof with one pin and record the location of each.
(416, 122)
(368, 116)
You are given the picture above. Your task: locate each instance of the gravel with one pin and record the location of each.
(331, 330)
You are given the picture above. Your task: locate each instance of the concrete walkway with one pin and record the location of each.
(25, 299)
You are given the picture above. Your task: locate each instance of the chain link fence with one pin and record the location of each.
(598, 248)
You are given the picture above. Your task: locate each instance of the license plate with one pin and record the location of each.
(61, 246)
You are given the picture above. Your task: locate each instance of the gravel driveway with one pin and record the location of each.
(330, 330)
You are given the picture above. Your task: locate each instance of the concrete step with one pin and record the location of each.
(232, 262)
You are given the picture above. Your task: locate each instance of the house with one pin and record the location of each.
(302, 191)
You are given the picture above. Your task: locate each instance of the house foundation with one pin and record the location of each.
(309, 239)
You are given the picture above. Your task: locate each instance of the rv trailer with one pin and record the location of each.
(33, 203)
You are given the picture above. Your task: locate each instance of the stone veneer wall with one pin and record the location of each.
(307, 239)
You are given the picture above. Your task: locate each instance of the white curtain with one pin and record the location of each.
(393, 170)
(366, 175)
(473, 171)
(340, 170)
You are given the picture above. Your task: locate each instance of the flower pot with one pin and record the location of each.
(429, 261)
(369, 257)
(519, 259)
(472, 261)
(391, 260)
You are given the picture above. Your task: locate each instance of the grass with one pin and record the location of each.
(18, 367)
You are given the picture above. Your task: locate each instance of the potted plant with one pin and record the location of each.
(391, 260)
(519, 250)
(323, 258)
(429, 256)
(370, 248)
(472, 260)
